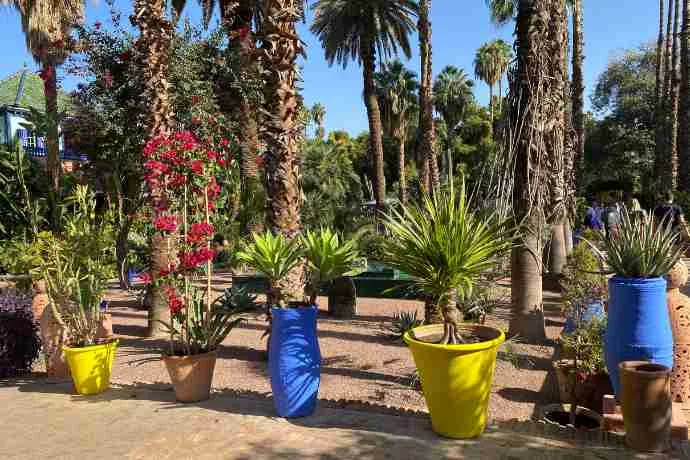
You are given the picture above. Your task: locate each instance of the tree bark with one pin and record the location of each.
(684, 102)
(281, 47)
(659, 93)
(375, 127)
(401, 166)
(661, 161)
(578, 93)
(672, 173)
(53, 134)
(121, 251)
(427, 144)
(154, 44)
(432, 312)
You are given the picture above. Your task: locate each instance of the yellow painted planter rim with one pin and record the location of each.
(102, 346)
(493, 343)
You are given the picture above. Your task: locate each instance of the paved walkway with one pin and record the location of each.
(41, 421)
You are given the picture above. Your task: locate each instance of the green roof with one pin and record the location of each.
(32, 94)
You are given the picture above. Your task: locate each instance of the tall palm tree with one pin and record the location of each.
(660, 99)
(431, 179)
(154, 44)
(281, 48)
(490, 64)
(397, 91)
(318, 114)
(536, 117)
(47, 25)
(674, 101)
(578, 88)
(365, 30)
(684, 104)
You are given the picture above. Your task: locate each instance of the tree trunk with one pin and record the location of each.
(401, 166)
(672, 174)
(684, 102)
(568, 236)
(432, 312)
(53, 134)
(660, 100)
(342, 298)
(283, 131)
(491, 105)
(375, 127)
(427, 144)
(121, 251)
(662, 162)
(154, 44)
(557, 249)
(578, 94)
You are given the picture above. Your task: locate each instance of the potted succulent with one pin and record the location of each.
(293, 351)
(445, 247)
(640, 254)
(76, 267)
(183, 177)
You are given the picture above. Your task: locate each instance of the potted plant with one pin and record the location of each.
(76, 267)
(640, 254)
(293, 352)
(183, 177)
(445, 247)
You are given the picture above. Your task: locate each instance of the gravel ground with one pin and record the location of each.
(359, 362)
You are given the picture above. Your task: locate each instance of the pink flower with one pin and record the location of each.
(166, 223)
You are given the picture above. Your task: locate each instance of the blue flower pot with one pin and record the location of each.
(294, 361)
(639, 327)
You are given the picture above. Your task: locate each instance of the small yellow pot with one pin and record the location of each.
(91, 367)
(456, 379)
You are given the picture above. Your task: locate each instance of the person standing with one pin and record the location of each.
(669, 213)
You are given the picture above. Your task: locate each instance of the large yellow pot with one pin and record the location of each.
(456, 379)
(91, 367)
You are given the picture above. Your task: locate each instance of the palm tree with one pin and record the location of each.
(364, 30)
(578, 87)
(673, 113)
(154, 45)
(318, 114)
(660, 78)
(536, 99)
(684, 104)
(426, 147)
(281, 47)
(490, 64)
(47, 25)
(396, 87)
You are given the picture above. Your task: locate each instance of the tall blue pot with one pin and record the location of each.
(639, 327)
(294, 361)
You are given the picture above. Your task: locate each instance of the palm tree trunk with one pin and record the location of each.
(283, 131)
(154, 43)
(375, 127)
(659, 107)
(672, 174)
(427, 144)
(491, 105)
(661, 161)
(53, 135)
(684, 102)
(578, 93)
(401, 165)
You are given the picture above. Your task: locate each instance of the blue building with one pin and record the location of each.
(19, 93)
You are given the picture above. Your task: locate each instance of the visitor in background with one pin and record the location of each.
(612, 218)
(670, 213)
(593, 217)
(633, 207)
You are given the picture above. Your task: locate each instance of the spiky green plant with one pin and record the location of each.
(403, 322)
(445, 247)
(641, 248)
(328, 257)
(273, 256)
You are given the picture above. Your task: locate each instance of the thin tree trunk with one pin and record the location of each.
(578, 94)
(282, 47)
(53, 134)
(121, 251)
(568, 235)
(427, 144)
(661, 161)
(401, 166)
(375, 127)
(672, 174)
(154, 44)
(684, 102)
(491, 105)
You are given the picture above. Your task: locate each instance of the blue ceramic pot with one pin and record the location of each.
(294, 361)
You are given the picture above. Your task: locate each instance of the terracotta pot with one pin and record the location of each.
(565, 376)
(646, 405)
(105, 328)
(40, 299)
(53, 338)
(590, 393)
(679, 311)
(191, 375)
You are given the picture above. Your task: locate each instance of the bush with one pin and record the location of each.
(19, 341)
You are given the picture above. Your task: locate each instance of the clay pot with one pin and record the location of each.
(679, 311)
(646, 405)
(105, 328)
(191, 375)
(40, 299)
(53, 338)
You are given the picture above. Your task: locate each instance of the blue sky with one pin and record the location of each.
(459, 28)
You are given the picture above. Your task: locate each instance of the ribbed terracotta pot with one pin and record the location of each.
(679, 311)
(191, 376)
(646, 405)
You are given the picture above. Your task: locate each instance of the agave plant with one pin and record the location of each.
(641, 248)
(275, 257)
(445, 247)
(328, 257)
(403, 322)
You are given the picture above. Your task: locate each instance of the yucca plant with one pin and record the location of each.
(445, 247)
(273, 256)
(641, 248)
(328, 257)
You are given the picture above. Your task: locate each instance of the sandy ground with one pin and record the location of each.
(359, 362)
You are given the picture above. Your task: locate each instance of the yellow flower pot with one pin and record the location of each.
(91, 366)
(456, 379)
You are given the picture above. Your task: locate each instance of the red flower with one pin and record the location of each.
(212, 155)
(243, 32)
(196, 258)
(174, 302)
(107, 79)
(195, 120)
(221, 162)
(177, 180)
(145, 278)
(166, 223)
(197, 167)
(156, 168)
(224, 142)
(200, 233)
(125, 56)
(260, 161)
